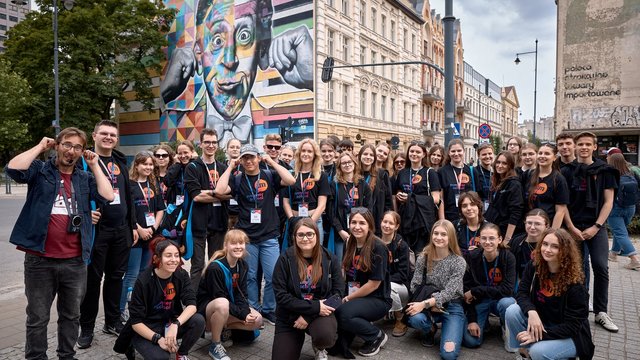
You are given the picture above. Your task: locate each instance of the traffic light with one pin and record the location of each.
(327, 69)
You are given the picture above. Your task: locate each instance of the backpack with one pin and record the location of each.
(627, 191)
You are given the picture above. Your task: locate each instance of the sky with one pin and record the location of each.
(493, 31)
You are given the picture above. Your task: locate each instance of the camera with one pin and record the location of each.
(75, 222)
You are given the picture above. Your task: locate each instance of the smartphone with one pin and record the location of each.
(334, 301)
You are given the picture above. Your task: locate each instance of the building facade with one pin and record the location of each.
(11, 13)
(510, 114)
(597, 77)
(545, 128)
(369, 104)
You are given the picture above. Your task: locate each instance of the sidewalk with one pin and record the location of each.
(624, 308)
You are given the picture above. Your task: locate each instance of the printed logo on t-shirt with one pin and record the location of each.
(169, 293)
(496, 275)
(234, 280)
(464, 178)
(474, 241)
(355, 265)
(261, 185)
(309, 183)
(58, 206)
(416, 179)
(214, 174)
(113, 168)
(541, 189)
(307, 286)
(547, 290)
(353, 193)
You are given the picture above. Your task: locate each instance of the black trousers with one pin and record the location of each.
(214, 242)
(189, 332)
(109, 256)
(288, 341)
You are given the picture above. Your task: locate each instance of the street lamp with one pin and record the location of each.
(535, 84)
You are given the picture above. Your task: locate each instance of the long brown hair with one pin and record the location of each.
(498, 180)
(140, 158)
(393, 163)
(433, 149)
(535, 175)
(429, 251)
(373, 173)
(619, 163)
(447, 159)
(421, 145)
(316, 253)
(475, 200)
(367, 250)
(569, 259)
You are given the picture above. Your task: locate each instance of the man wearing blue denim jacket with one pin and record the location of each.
(54, 231)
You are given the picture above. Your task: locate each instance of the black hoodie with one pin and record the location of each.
(586, 185)
(286, 287)
(213, 286)
(506, 205)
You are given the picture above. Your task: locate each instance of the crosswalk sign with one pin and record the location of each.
(455, 128)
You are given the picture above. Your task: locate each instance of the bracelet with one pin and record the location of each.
(177, 322)
(156, 337)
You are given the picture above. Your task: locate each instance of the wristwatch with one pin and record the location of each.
(598, 225)
(177, 322)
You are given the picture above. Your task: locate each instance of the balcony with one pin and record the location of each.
(431, 94)
(462, 107)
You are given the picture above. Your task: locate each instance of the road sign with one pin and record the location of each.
(484, 131)
(455, 127)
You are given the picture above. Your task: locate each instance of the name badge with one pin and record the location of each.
(353, 286)
(233, 201)
(256, 216)
(276, 201)
(179, 200)
(457, 199)
(150, 218)
(116, 197)
(303, 210)
(216, 202)
(486, 205)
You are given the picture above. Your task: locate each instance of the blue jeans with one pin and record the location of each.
(44, 279)
(266, 253)
(517, 321)
(619, 219)
(452, 327)
(483, 309)
(139, 260)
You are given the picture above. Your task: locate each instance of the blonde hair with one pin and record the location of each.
(316, 168)
(340, 177)
(429, 251)
(233, 235)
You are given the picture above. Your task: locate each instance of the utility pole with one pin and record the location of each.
(449, 65)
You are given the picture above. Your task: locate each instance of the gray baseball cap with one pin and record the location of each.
(249, 149)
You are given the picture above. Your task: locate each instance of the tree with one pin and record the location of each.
(14, 98)
(534, 140)
(496, 142)
(105, 47)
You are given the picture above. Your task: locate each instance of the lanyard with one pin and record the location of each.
(458, 178)
(251, 188)
(70, 211)
(147, 198)
(112, 176)
(367, 179)
(302, 189)
(484, 178)
(486, 273)
(215, 168)
(474, 235)
(329, 173)
(348, 192)
(411, 176)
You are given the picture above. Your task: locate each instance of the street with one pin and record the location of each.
(11, 265)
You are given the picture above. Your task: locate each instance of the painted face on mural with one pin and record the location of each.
(228, 44)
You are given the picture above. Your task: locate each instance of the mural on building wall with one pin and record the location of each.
(242, 67)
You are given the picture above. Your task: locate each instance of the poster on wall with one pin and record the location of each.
(241, 67)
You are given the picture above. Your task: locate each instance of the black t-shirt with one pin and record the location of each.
(523, 254)
(216, 220)
(309, 290)
(378, 271)
(581, 212)
(114, 214)
(548, 304)
(411, 181)
(330, 170)
(257, 192)
(484, 176)
(145, 200)
(454, 181)
(552, 190)
(467, 237)
(313, 189)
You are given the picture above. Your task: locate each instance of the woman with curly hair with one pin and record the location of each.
(551, 318)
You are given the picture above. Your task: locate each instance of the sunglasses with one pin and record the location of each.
(274, 147)
(359, 210)
(161, 156)
(399, 162)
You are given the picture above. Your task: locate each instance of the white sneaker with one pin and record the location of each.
(603, 319)
(320, 354)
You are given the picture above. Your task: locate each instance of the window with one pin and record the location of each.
(383, 25)
(3, 27)
(413, 115)
(405, 112)
(3, 5)
(331, 38)
(392, 108)
(345, 48)
(374, 15)
(413, 43)
(13, 18)
(362, 55)
(383, 107)
(363, 12)
(3, 17)
(330, 96)
(374, 97)
(345, 7)
(330, 3)
(374, 55)
(345, 98)
(363, 102)
(405, 38)
(392, 29)
(383, 59)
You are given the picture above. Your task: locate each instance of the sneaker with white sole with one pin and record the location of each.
(633, 265)
(613, 256)
(603, 319)
(218, 352)
(320, 354)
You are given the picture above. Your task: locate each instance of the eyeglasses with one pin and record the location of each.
(347, 163)
(417, 142)
(359, 210)
(273, 147)
(308, 235)
(68, 146)
(399, 162)
(161, 156)
(209, 143)
(549, 144)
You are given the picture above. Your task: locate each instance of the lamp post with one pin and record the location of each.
(535, 84)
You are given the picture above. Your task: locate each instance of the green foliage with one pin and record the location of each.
(14, 98)
(496, 142)
(106, 46)
(634, 226)
(533, 140)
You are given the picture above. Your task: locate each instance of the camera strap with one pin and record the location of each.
(70, 211)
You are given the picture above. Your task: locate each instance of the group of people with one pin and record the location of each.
(318, 239)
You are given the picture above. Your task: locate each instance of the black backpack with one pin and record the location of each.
(628, 190)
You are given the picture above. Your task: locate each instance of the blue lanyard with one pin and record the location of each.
(251, 188)
(348, 193)
(484, 178)
(367, 179)
(486, 273)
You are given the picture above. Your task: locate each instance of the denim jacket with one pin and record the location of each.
(43, 180)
